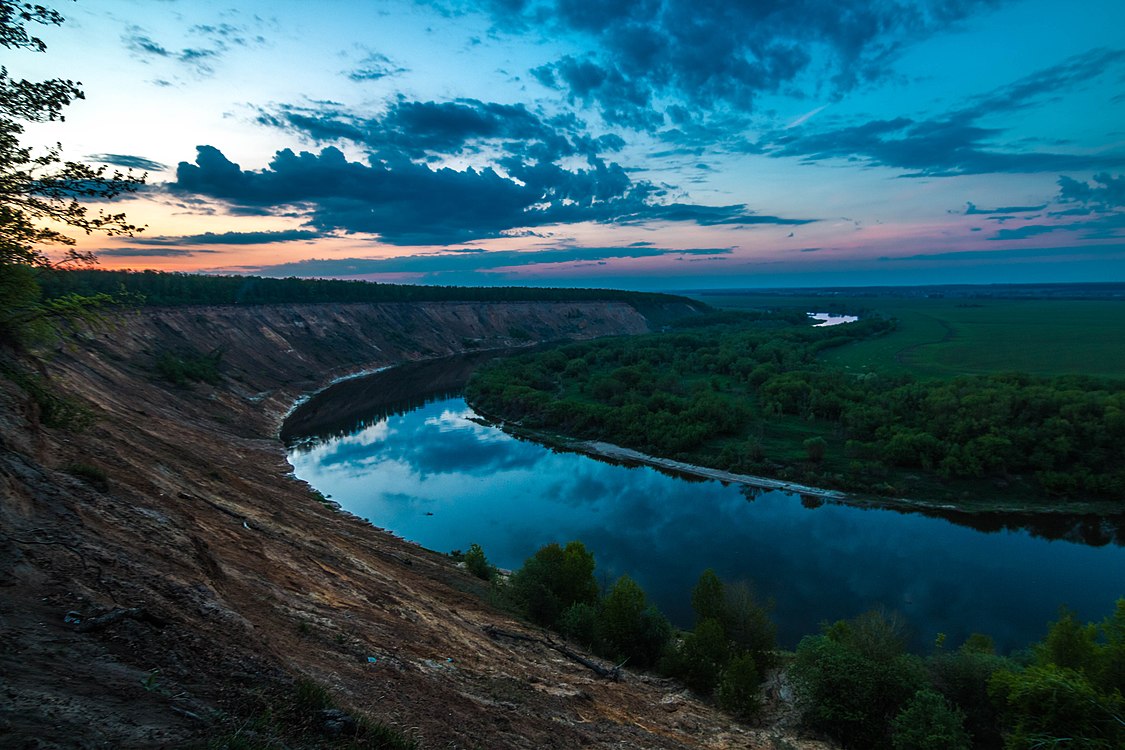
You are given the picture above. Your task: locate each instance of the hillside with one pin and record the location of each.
(175, 510)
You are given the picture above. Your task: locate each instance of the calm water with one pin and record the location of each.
(435, 476)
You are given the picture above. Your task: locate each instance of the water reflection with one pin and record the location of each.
(435, 475)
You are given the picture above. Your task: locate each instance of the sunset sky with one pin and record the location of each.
(651, 144)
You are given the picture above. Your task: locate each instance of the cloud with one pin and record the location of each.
(150, 252)
(718, 55)
(128, 161)
(1022, 253)
(408, 203)
(218, 38)
(374, 67)
(434, 266)
(229, 238)
(419, 129)
(955, 143)
(1107, 192)
(146, 48)
(972, 209)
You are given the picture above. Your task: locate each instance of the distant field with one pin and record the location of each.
(949, 337)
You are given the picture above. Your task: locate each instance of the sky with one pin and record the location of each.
(644, 144)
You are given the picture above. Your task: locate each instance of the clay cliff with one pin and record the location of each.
(164, 581)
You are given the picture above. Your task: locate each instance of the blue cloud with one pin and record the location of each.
(375, 67)
(717, 56)
(129, 161)
(437, 266)
(228, 238)
(955, 143)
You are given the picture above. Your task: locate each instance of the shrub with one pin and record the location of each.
(928, 722)
(552, 580)
(190, 367)
(630, 628)
(738, 687)
(477, 564)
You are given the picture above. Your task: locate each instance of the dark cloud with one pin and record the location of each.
(197, 58)
(716, 55)
(973, 210)
(407, 203)
(150, 252)
(435, 266)
(129, 161)
(955, 143)
(1106, 192)
(229, 238)
(416, 129)
(374, 67)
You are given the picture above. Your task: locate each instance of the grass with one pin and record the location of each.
(943, 338)
(296, 719)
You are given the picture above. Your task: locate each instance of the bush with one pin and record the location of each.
(477, 564)
(630, 628)
(699, 658)
(928, 722)
(855, 678)
(190, 367)
(738, 687)
(552, 580)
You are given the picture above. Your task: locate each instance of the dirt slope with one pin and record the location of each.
(239, 581)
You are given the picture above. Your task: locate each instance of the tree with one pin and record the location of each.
(631, 628)
(40, 191)
(552, 580)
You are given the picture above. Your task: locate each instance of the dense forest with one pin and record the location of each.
(746, 392)
(855, 682)
(171, 288)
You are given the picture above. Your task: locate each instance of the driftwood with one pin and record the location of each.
(114, 615)
(609, 673)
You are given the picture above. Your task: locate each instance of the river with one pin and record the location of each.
(403, 450)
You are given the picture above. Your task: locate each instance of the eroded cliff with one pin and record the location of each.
(175, 509)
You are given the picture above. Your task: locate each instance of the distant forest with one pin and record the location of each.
(160, 288)
(747, 392)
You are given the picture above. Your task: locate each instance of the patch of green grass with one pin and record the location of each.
(306, 716)
(942, 338)
(184, 368)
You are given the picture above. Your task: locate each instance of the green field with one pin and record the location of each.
(948, 337)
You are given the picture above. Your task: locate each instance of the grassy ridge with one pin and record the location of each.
(944, 338)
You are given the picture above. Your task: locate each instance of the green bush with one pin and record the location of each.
(738, 687)
(928, 722)
(855, 678)
(477, 564)
(182, 369)
(630, 628)
(552, 580)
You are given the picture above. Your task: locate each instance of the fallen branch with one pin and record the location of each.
(607, 673)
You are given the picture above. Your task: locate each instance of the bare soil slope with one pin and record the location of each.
(229, 578)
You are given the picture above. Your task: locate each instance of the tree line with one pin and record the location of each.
(748, 393)
(164, 288)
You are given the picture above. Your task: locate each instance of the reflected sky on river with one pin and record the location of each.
(437, 477)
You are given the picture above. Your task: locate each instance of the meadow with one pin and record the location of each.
(947, 337)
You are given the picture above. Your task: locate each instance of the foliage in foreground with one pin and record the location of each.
(855, 681)
(40, 192)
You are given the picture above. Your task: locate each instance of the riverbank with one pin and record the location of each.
(617, 453)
